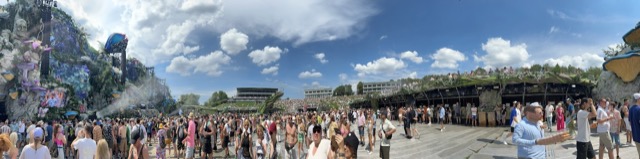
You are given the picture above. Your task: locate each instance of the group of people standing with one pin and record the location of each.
(609, 119)
(306, 134)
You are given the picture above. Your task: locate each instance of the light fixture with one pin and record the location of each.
(573, 86)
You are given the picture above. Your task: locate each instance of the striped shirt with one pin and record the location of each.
(525, 135)
(5, 129)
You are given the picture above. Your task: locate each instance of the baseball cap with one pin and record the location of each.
(535, 104)
(37, 133)
(636, 96)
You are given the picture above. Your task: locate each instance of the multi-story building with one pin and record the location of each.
(253, 94)
(318, 93)
(383, 88)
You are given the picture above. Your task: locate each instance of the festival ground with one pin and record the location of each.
(462, 142)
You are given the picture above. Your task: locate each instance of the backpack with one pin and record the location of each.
(161, 140)
(181, 132)
(71, 131)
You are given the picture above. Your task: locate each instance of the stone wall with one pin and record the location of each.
(610, 86)
(489, 100)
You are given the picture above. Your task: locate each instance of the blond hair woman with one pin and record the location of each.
(103, 151)
(8, 146)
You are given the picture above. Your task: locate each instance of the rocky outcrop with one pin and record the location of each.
(489, 100)
(610, 86)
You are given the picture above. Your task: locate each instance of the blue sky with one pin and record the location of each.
(204, 46)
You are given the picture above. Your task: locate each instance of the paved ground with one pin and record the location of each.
(461, 142)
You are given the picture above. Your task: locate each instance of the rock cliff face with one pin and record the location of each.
(489, 100)
(610, 86)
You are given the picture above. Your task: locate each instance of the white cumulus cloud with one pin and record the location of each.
(160, 30)
(320, 57)
(447, 58)
(411, 55)
(310, 74)
(413, 75)
(382, 65)
(273, 70)
(266, 56)
(583, 61)
(210, 64)
(305, 21)
(501, 53)
(233, 41)
(343, 77)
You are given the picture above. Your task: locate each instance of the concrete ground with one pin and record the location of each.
(462, 142)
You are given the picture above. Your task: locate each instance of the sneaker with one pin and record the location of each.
(441, 130)
(504, 142)
(370, 152)
(633, 144)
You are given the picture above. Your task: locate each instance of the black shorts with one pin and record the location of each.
(384, 152)
(512, 128)
(225, 142)
(585, 150)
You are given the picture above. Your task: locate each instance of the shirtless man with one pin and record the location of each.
(291, 138)
(625, 115)
(122, 139)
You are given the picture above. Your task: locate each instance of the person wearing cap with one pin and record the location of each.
(529, 136)
(319, 148)
(138, 150)
(35, 149)
(191, 138)
(583, 140)
(634, 120)
(385, 132)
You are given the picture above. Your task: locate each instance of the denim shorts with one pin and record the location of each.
(616, 138)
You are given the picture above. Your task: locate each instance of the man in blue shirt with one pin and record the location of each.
(528, 135)
(49, 136)
(634, 120)
(571, 111)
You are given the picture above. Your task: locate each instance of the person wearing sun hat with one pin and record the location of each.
(190, 139)
(634, 120)
(35, 149)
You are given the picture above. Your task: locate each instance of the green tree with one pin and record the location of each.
(343, 90)
(189, 99)
(348, 91)
(338, 91)
(536, 68)
(216, 99)
(360, 88)
(480, 71)
(556, 69)
(571, 69)
(615, 50)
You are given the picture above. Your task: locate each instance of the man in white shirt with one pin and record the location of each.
(386, 131)
(85, 145)
(603, 129)
(21, 129)
(583, 141)
(549, 114)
